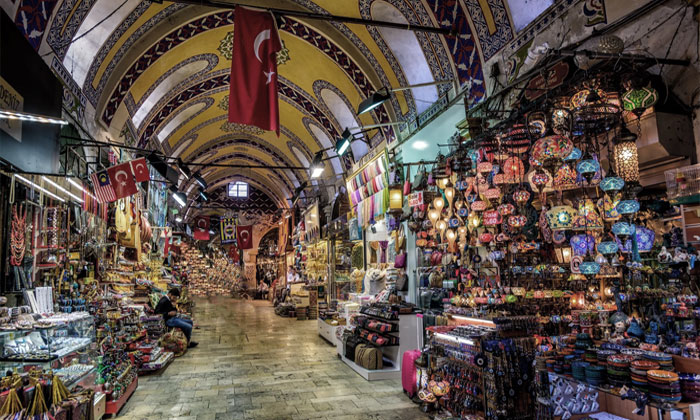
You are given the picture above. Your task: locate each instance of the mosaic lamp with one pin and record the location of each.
(645, 240)
(627, 207)
(639, 100)
(441, 226)
(589, 268)
(607, 247)
(623, 229)
(438, 204)
(550, 151)
(582, 244)
(450, 196)
(561, 217)
(540, 179)
(575, 154)
(521, 196)
(587, 167)
(433, 215)
(612, 183)
(625, 156)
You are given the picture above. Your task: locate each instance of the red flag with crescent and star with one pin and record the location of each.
(253, 92)
(122, 180)
(244, 236)
(201, 228)
(140, 169)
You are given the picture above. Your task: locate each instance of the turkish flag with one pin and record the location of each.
(140, 169)
(244, 236)
(201, 229)
(253, 92)
(122, 180)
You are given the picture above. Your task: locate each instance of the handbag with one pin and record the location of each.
(400, 261)
(402, 283)
(420, 178)
(407, 183)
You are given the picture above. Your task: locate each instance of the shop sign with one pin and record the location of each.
(415, 199)
(492, 218)
(11, 100)
(538, 85)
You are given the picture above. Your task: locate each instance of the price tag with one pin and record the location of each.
(415, 199)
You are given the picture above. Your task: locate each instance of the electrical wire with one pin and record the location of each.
(88, 31)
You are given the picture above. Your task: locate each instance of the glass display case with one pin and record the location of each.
(67, 347)
(345, 283)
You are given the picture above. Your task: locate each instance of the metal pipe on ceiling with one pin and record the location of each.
(328, 17)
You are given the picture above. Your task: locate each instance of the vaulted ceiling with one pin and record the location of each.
(157, 75)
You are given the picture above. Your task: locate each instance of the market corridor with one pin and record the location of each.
(252, 364)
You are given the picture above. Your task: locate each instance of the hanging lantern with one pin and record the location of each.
(513, 169)
(473, 221)
(433, 216)
(645, 240)
(517, 221)
(612, 183)
(607, 247)
(589, 268)
(627, 207)
(479, 205)
(582, 244)
(565, 178)
(639, 100)
(587, 96)
(499, 179)
(441, 225)
(575, 154)
(625, 156)
(493, 195)
(450, 196)
(451, 237)
(396, 198)
(506, 209)
(563, 254)
(521, 196)
(561, 217)
(442, 183)
(561, 123)
(588, 167)
(484, 167)
(438, 204)
(540, 179)
(623, 229)
(550, 151)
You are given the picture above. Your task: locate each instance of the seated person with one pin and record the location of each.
(166, 308)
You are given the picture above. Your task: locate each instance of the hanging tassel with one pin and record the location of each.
(12, 404)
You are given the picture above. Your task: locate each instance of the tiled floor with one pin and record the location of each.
(252, 364)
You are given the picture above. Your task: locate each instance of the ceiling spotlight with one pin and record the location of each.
(199, 180)
(317, 165)
(375, 100)
(184, 169)
(178, 219)
(343, 143)
(381, 96)
(162, 167)
(179, 197)
(204, 196)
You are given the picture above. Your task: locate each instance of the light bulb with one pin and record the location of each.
(462, 230)
(450, 195)
(441, 226)
(442, 183)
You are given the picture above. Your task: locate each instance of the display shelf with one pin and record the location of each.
(76, 381)
(411, 328)
(161, 363)
(327, 331)
(113, 407)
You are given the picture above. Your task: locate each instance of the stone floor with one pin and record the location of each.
(252, 364)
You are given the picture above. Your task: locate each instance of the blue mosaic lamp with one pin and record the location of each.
(612, 183)
(589, 268)
(588, 167)
(574, 155)
(627, 207)
(607, 247)
(582, 243)
(645, 240)
(623, 229)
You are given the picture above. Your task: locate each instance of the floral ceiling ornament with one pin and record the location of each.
(230, 127)
(225, 48)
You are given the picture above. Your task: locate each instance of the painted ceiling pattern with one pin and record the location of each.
(161, 71)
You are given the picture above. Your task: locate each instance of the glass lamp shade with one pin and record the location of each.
(479, 205)
(462, 230)
(474, 221)
(499, 179)
(551, 147)
(626, 207)
(582, 244)
(540, 179)
(442, 183)
(451, 237)
(517, 221)
(521, 196)
(453, 223)
(506, 209)
(462, 212)
(560, 120)
(575, 154)
(484, 167)
(565, 178)
(493, 194)
(589, 268)
(441, 225)
(645, 240)
(433, 216)
(438, 203)
(626, 160)
(639, 100)
(583, 97)
(623, 229)
(612, 183)
(563, 254)
(588, 167)
(607, 247)
(395, 198)
(514, 169)
(561, 217)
